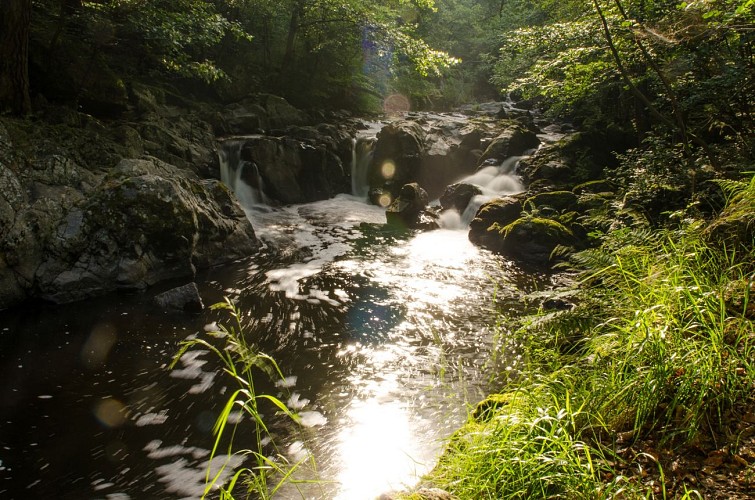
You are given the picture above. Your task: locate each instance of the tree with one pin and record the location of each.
(15, 19)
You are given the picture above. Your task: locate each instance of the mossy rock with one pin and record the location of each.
(560, 201)
(500, 211)
(533, 239)
(595, 187)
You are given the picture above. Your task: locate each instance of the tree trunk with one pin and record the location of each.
(15, 16)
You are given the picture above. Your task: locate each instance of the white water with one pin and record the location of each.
(362, 150)
(232, 173)
(494, 181)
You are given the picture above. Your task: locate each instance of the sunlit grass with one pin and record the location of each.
(659, 346)
(266, 472)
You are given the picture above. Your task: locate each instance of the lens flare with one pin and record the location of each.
(110, 412)
(396, 104)
(388, 169)
(384, 200)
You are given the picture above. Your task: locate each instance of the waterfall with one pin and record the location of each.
(362, 151)
(234, 172)
(493, 181)
(364, 148)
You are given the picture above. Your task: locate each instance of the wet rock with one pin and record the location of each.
(532, 239)
(397, 158)
(500, 211)
(183, 298)
(293, 171)
(409, 209)
(513, 141)
(457, 196)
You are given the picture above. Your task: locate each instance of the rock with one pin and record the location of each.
(594, 187)
(183, 298)
(408, 210)
(532, 239)
(513, 141)
(293, 171)
(280, 113)
(457, 196)
(501, 211)
(148, 221)
(558, 201)
(241, 119)
(397, 159)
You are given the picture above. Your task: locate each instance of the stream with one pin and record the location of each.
(382, 336)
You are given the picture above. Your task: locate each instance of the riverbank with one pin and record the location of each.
(640, 384)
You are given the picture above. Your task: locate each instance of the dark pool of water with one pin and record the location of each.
(383, 338)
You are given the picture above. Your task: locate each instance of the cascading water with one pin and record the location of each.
(363, 148)
(233, 171)
(493, 181)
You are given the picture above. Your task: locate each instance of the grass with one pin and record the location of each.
(243, 362)
(658, 353)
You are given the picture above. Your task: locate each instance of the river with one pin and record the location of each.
(383, 338)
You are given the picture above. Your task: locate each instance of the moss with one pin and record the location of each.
(557, 200)
(597, 186)
(533, 239)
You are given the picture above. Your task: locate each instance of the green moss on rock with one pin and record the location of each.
(559, 201)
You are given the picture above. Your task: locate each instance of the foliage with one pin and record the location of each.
(659, 346)
(241, 361)
(680, 70)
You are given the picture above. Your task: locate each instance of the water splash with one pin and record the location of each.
(493, 181)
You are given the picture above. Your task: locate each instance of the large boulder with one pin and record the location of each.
(451, 151)
(515, 140)
(499, 212)
(397, 159)
(408, 210)
(294, 171)
(67, 234)
(457, 196)
(554, 201)
(532, 239)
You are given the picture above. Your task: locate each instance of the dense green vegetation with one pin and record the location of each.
(654, 360)
(656, 355)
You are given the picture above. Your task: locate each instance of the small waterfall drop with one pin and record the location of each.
(362, 151)
(364, 148)
(234, 172)
(493, 181)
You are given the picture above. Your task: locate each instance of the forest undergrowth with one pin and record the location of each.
(641, 388)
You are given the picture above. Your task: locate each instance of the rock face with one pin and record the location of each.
(305, 166)
(78, 222)
(408, 211)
